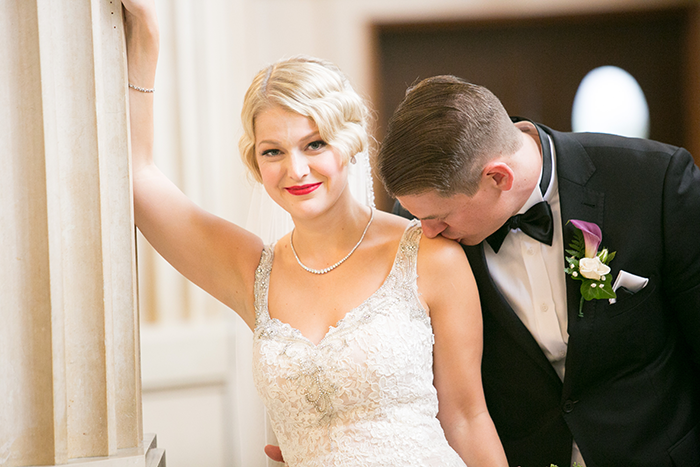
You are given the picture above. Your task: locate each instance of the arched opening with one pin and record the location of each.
(610, 100)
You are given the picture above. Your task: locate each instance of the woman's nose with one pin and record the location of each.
(298, 166)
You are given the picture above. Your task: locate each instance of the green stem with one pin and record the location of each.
(580, 308)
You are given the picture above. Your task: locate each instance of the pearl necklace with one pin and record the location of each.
(330, 268)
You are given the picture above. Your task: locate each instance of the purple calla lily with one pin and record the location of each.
(591, 236)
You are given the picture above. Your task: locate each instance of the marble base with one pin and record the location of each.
(146, 455)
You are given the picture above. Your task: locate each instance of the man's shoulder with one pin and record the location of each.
(606, 143)
(612, 155)
(605, 140)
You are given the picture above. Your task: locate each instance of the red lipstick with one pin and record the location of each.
(300, 190)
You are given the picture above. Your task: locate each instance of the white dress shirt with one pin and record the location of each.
(531, 277)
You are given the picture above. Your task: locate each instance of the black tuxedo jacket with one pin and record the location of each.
(631, 393)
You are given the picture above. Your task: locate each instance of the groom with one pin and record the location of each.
(601, 382)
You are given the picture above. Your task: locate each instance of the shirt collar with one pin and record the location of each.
(543, 190)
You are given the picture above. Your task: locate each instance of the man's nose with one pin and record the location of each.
(432, 228)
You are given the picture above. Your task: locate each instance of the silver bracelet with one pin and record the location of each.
(141, 89)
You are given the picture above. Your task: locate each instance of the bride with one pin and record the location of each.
(367, 336)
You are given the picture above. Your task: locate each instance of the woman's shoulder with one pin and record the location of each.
(438, 249)
(389, 226)
(441, 251)
(386, 233)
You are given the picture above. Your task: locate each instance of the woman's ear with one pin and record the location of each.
(499, 175)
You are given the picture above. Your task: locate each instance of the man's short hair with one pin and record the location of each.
(441, 136)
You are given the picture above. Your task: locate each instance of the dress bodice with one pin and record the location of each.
(364, 395)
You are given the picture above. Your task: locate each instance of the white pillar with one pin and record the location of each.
(69, 344)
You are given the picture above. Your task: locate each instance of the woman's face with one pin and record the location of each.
(300, 171)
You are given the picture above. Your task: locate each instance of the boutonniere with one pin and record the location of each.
(589, 265)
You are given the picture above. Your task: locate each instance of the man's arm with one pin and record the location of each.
(681, 223)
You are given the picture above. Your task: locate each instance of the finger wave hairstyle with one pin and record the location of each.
(311, 87)
(441, 137)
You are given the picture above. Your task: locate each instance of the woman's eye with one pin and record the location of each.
(271, 152)
(316, 145)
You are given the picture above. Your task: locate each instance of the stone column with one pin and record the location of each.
(69, 345)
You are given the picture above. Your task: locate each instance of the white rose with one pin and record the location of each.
(592, 268)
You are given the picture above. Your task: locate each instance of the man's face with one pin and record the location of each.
(467, 219)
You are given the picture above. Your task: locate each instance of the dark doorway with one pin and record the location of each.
(535, 65)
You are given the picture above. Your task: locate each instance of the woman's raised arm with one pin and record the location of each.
(215, 254)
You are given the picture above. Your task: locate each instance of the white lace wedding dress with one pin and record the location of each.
(363, 396)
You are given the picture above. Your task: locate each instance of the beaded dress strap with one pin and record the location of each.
(407, 254)
(262, 282)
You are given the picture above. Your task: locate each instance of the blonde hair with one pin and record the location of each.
(313, 88)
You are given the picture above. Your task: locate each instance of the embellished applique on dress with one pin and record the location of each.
(363, 396)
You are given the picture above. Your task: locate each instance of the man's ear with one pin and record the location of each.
(499, 175)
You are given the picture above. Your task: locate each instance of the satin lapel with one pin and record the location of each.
(494, 302)
(574, 170)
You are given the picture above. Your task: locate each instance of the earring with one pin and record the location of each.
(353, 160)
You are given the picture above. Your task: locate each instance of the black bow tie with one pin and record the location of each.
(536, 222)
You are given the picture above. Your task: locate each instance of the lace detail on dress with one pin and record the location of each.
(363, 396)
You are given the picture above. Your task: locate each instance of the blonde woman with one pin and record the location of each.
(361, 325)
